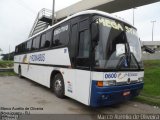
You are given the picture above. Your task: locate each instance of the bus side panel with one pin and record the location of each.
(52, 57)
(38, 66)
(16, 67)
(17, 61)
(39, 74)
(83, 79)
(77, 84)
(69, 76)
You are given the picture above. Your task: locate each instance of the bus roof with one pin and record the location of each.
(85, 13)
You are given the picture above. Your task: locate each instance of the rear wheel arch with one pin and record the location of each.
(53, 74)
(57, 84)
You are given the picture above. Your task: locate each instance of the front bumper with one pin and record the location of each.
(103, 96)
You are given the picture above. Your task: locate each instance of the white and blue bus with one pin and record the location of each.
(92, 57)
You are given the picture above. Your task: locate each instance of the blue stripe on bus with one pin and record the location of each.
(104, 96)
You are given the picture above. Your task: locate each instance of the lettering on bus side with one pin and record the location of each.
(37, 57)
(62, 29)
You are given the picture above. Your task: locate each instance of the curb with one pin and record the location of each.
(6, 69)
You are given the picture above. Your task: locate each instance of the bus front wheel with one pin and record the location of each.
(58, 86)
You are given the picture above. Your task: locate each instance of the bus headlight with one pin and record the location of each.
(106, 83)
(140, 79)
(109, 83)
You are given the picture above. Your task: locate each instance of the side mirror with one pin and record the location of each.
(120, 49)
(95, 32)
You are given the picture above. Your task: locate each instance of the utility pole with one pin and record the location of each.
(152, 28)
(0, 51)
(133, 15)
(9, 54)
(53, 11)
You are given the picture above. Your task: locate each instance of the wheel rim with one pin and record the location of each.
(58, 85)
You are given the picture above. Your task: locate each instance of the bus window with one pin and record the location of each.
(36, 41)
(16, 50)
(29, 43)
(82, 59)
(46, 39)
(19, 48)
(64, 36)
(43, 39)
(56, 40)
(73, 43)
(61, 36)
(24, 47)
(84, 25)
(84, 43)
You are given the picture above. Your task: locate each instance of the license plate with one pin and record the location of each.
(126, 93)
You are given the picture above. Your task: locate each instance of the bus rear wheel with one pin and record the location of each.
(58, 86)
(19, 72)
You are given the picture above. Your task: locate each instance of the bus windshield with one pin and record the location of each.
(118, 46)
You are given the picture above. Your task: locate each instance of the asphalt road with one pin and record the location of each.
(25, 94)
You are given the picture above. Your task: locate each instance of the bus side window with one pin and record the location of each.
(36, 42)
(83, 56)
(84, 39)
(64, 36)
(84, 44)
(56, 39)
(25, 47)
(29, 43)
(73, 43)
(61, 36)
(16, 50)
(19, 48)
(46, 39)
(43, 39)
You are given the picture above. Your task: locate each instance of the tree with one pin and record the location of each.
(0, 51)
(9, 56)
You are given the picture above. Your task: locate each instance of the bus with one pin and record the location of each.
(91, 56)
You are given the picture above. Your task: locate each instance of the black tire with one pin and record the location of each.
(58, 85)
(19, 72)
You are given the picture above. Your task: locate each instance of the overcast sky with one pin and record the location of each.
(17, 18)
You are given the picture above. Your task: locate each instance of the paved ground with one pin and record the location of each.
(22, 93)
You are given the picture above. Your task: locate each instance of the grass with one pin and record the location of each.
(6, 64)
(152, 78)
(148, 100)
(151, 91)
(7, 74)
